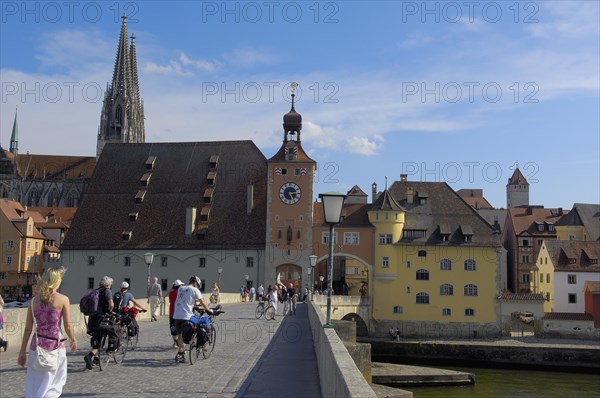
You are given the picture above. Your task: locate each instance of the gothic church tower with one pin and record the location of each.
(290, 193)
(122, 118)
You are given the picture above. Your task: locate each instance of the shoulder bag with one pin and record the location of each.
(44, 360)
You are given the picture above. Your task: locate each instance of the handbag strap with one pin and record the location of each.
(37, 342)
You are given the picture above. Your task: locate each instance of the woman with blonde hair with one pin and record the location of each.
(48, 306)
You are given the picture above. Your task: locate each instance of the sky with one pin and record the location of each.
(455, 91)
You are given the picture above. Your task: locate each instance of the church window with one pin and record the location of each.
(119, 114)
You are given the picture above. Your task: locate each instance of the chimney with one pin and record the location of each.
(250, 199)
(403, 177)
(190, 220)
(410, 194)
(374, 192)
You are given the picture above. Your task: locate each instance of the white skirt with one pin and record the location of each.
(46, 384)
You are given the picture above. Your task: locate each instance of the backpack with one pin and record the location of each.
(89, 302)
(117, 298)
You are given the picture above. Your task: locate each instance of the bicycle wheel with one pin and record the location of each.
(260, 310)
(209, 345)
(194, 353)
(120, 353)
(102, 355)
(270, 313)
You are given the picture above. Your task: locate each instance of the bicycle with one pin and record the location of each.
(205, 336)
(268, 311)
(103, 358)
(127, 319)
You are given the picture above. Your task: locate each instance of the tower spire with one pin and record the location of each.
(292, 121)
(14, 138)
(122, 117)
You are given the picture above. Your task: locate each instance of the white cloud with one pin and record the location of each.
(248, 57)
(365, 145)
(572, 19)
(200, 64)
(172, 68)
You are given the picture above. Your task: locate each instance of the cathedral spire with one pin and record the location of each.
(122, 118)
(14, 138)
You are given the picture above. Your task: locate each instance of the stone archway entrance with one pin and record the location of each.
(290, 273)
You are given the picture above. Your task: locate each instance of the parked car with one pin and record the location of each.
(526, 317)
(17, 304)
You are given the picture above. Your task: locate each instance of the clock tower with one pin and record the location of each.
(290, 193)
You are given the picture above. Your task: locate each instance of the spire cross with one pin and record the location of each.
(124, 17)
(132, 37)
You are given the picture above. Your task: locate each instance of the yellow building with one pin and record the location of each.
(438, 266)
(562, 269)
(21, 253)
(581, 223)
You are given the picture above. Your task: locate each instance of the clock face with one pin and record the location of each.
(289, 193)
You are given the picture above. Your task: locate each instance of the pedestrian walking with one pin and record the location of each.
(50, 309)
(261, 292)
(172, 299)
(242, 293)
(216, 293)
(154, 298)
(293, 297)
(252, 293)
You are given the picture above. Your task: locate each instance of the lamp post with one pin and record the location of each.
(333, 203)
(148, 258)
(309, 276)
(220, 271)
(313, 261)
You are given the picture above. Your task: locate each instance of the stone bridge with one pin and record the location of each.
(348, 308)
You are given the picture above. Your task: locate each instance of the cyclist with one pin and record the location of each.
(187, 298)
(105, 305)
(123, 298)
(172, 299)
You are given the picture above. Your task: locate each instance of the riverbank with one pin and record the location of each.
(572, 355)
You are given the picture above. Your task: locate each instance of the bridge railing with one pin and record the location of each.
(339, 375)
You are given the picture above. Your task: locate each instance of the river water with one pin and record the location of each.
(503, 383)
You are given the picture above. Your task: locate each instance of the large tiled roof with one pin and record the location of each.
(584, 214)
(525, 219)
(354, 215)
(474, 198)
(55, 214)
(51, 167)
(574, 255)
(443, 212)
(180, 175)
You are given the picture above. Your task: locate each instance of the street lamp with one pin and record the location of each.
(309, 276)
(148, 258)
(333, 203)
(313, 261)
(220, 271)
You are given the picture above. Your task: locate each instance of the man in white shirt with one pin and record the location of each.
(187, 297)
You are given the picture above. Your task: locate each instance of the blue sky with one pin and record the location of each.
(442, 91)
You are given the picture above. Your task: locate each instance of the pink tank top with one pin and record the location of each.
(48, 324)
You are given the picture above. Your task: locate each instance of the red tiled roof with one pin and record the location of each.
(568, 316)
(517, 178)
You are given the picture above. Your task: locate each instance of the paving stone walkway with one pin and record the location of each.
(251, 358)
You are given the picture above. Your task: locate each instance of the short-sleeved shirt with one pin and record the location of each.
(126, 299)
(186, 298)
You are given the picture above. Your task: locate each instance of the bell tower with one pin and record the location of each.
(290, 193)
(122, 117)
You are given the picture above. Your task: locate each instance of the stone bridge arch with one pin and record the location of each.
(361, 326)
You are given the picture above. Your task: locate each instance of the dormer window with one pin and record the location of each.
(139, 197)
(204, 214)
(210, 178)
(208, 193)
(133, 216)
(145, 179)
(572, 260)
(550, 227)
(540, 226)
(214, 159)
(467, 232)
(126, 235)
(150, 162)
